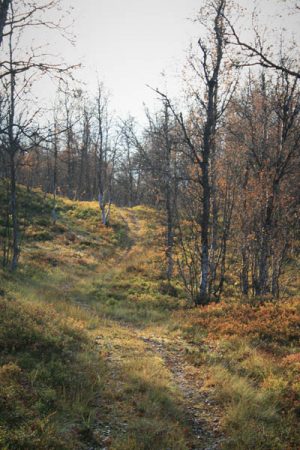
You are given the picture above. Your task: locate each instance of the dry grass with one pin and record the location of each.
(250, 360)
(75, 366)
(63, 337)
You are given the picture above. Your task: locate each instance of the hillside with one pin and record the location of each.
(96, 353)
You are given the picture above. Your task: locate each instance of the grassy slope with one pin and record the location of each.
(89, 343)
(71, 375)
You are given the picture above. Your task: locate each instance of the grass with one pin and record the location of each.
(70, 367)
(250, 360)
(76, 370)
(41, 385)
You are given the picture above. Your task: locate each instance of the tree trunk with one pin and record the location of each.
(263, 284)
(170, 236)
(14, 214)
(203, 294)
(3, 15)
(245, 271)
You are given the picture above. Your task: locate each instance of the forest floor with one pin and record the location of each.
(96, 354)
(200, 416)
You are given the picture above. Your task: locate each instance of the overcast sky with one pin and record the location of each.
(129, 43)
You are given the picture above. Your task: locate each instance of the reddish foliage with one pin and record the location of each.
(268, 322)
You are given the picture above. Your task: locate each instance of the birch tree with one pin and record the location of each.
(18, 72)
(200, 128)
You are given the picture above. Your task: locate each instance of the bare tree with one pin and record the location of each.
(266, 130)
(258, 53)
(200, 129)
(106, 150)
(20, 131)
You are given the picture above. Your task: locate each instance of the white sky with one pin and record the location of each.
(129, 43)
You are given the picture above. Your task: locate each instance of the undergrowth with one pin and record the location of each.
(74, 371)
(45, 375)
(250, 361)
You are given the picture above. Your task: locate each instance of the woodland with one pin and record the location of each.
(149, 279)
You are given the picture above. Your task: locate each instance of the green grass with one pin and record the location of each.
(76, 371)
(67, 388)
(253, 418)
(47, 371)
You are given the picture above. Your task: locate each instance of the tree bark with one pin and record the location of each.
(4, 5)
(14, 214)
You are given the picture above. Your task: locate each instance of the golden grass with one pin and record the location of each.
(94, 293)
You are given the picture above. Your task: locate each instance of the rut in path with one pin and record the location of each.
(201, 413)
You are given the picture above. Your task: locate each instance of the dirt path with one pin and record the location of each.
(201, 412)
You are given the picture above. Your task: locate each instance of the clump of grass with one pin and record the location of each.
(252, 416)
(135, 300)
(48, 376)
